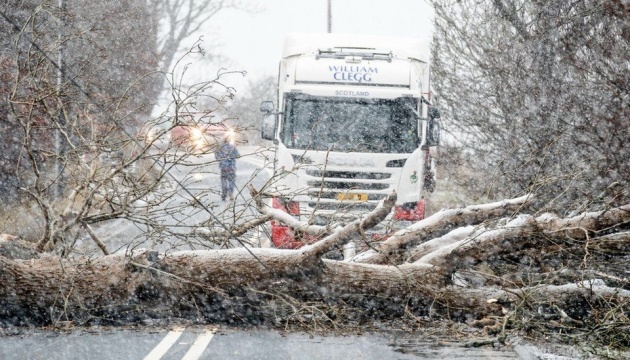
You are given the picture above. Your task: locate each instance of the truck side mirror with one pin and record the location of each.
(266, 106)
(434, 131)
(268, 121)
(434, 113)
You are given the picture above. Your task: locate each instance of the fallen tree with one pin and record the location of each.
(531, 273)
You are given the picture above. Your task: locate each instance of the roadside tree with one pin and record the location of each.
(536, 94)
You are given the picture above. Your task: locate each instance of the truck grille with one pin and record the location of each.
(348, 185)
(333, 195)
(341, 196)
(325, 188)
(348, 175)
(343, 206)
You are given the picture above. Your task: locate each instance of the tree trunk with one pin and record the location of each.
(253, 285)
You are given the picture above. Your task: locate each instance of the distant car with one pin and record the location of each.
(199, 138)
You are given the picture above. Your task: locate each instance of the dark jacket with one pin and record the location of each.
(227, 154)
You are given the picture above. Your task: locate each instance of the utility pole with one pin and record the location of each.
(329, 17)
(61, 121)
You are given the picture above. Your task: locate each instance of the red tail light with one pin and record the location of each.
(410, 211)
(291, 207)
(282, 236)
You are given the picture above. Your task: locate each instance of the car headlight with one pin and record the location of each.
(196, 133)
(230, 135)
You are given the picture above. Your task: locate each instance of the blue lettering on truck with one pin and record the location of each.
(352, 93)
(352, 73)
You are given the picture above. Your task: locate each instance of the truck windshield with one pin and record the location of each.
(350, 125)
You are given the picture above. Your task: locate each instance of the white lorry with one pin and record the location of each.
(354, 123)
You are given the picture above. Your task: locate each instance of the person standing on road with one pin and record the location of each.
(226, 155)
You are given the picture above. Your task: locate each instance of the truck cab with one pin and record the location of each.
(354, 123)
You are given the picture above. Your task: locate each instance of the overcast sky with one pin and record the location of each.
(254, 41)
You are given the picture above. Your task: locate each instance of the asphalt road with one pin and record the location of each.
(223, 343)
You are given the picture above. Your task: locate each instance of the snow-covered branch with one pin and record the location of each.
(287, 219)
(391, 249)
(356, 228)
